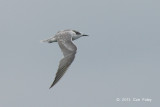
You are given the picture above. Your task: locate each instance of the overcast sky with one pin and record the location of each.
(120, 58)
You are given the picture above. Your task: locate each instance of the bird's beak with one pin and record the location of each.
(84, 35)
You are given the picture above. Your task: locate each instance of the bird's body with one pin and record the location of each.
(64, 39)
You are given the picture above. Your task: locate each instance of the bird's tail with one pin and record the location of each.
(50, 40)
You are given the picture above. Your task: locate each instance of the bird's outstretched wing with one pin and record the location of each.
(69, 51)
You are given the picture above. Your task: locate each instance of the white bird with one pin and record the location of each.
(64, 39)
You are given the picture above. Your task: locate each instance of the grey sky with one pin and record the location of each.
(120, 58)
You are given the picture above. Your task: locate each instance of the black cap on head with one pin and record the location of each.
(77, 33)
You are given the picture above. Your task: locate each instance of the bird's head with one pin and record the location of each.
(76, 34)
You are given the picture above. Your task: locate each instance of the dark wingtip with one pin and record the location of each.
(51, 86)
(54, 82)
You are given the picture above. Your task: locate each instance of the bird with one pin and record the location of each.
(64, 39)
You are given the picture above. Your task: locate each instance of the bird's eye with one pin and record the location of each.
(77, 33)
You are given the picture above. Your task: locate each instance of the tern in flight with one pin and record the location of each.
(64, 39)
